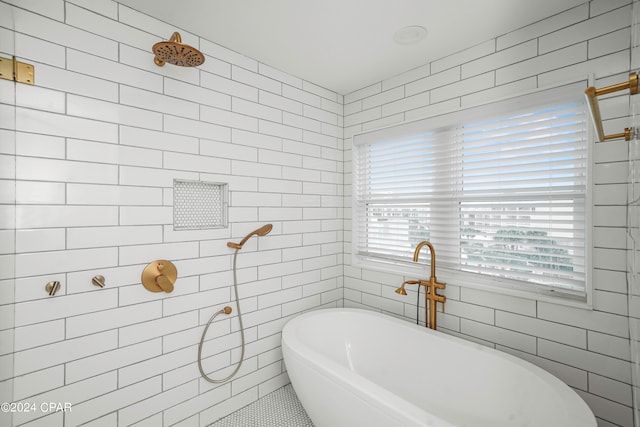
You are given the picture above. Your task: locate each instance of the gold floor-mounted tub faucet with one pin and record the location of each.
(431, 295)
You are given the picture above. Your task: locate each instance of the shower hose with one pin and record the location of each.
(226, 310)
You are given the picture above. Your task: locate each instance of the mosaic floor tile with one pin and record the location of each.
(280, 408)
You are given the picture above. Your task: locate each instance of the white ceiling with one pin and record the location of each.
(345, 45)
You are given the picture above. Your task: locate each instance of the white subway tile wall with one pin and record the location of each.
(98, 143)
(588, 349)
(87, 161)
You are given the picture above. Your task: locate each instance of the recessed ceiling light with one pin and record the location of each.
(410, 35)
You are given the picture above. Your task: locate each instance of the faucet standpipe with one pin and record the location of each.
(431, 287)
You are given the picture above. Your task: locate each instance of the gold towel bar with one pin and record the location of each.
(592, 99)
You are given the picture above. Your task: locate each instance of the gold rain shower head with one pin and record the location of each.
(176, 53)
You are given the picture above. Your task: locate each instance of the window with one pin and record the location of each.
(499, 190)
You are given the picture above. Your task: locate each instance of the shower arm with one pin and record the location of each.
(592, 99)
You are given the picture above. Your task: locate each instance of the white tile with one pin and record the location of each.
(320, 114)
(146, 100)
(564, 334)
(30, 168)
(279, 130)
(31, 96)
(370, 114)
(65, 126)
(156, 328)
(95, 408)
(585, 30)
(193, 93)
(152, 177)
(256, 80)
(406, 77)
(280, 75)
(145, 215)
(228, 118)
(317, 139)
(464, 87)
(91, 323)
(235, 58)
(363, 93)
(609, 345)
(201, 163)
(31, 144)
(280, 102)
(501, 302)
(609, 259)
(544, 26)
(157, 140)
(31, 240)
(107, 27)
(609, 43)
(583, 318)
(195, 128)
(157, 403)
(115, 113)
(522, 342)
(110, 70)
(87, 237)
(8, 240)
(609, 216)
(39, 334)
(103, 7)
(89, 194)
(48, 29)
(76, 392)
(610, 389)
(500, 59)
(228, 86)
(301, 122)
(499, 92)
(553, 60)
(611, 173)
(319, 90)
(600, 364)
(53, 354)
(334, 107)
(32, 192)
(112, 153)
(301, 96)
(405, 104)
(192, 302)
(46, 216)
(38, 382)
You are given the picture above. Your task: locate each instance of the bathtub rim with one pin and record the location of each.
(581, 413)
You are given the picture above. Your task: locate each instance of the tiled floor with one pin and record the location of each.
(280, 408)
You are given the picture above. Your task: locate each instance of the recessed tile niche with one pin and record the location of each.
(199, 205)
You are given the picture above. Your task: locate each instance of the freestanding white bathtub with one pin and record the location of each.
(352, 367)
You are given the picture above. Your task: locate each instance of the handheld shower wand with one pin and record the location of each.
(262, 231)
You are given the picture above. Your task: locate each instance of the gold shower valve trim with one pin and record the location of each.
(159, 276)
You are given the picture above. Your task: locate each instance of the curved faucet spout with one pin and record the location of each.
(433, 255)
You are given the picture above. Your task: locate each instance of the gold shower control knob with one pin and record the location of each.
(159, 276)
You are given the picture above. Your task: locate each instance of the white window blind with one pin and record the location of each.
(499, 190)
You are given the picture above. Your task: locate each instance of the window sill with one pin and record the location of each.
(479, 282)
